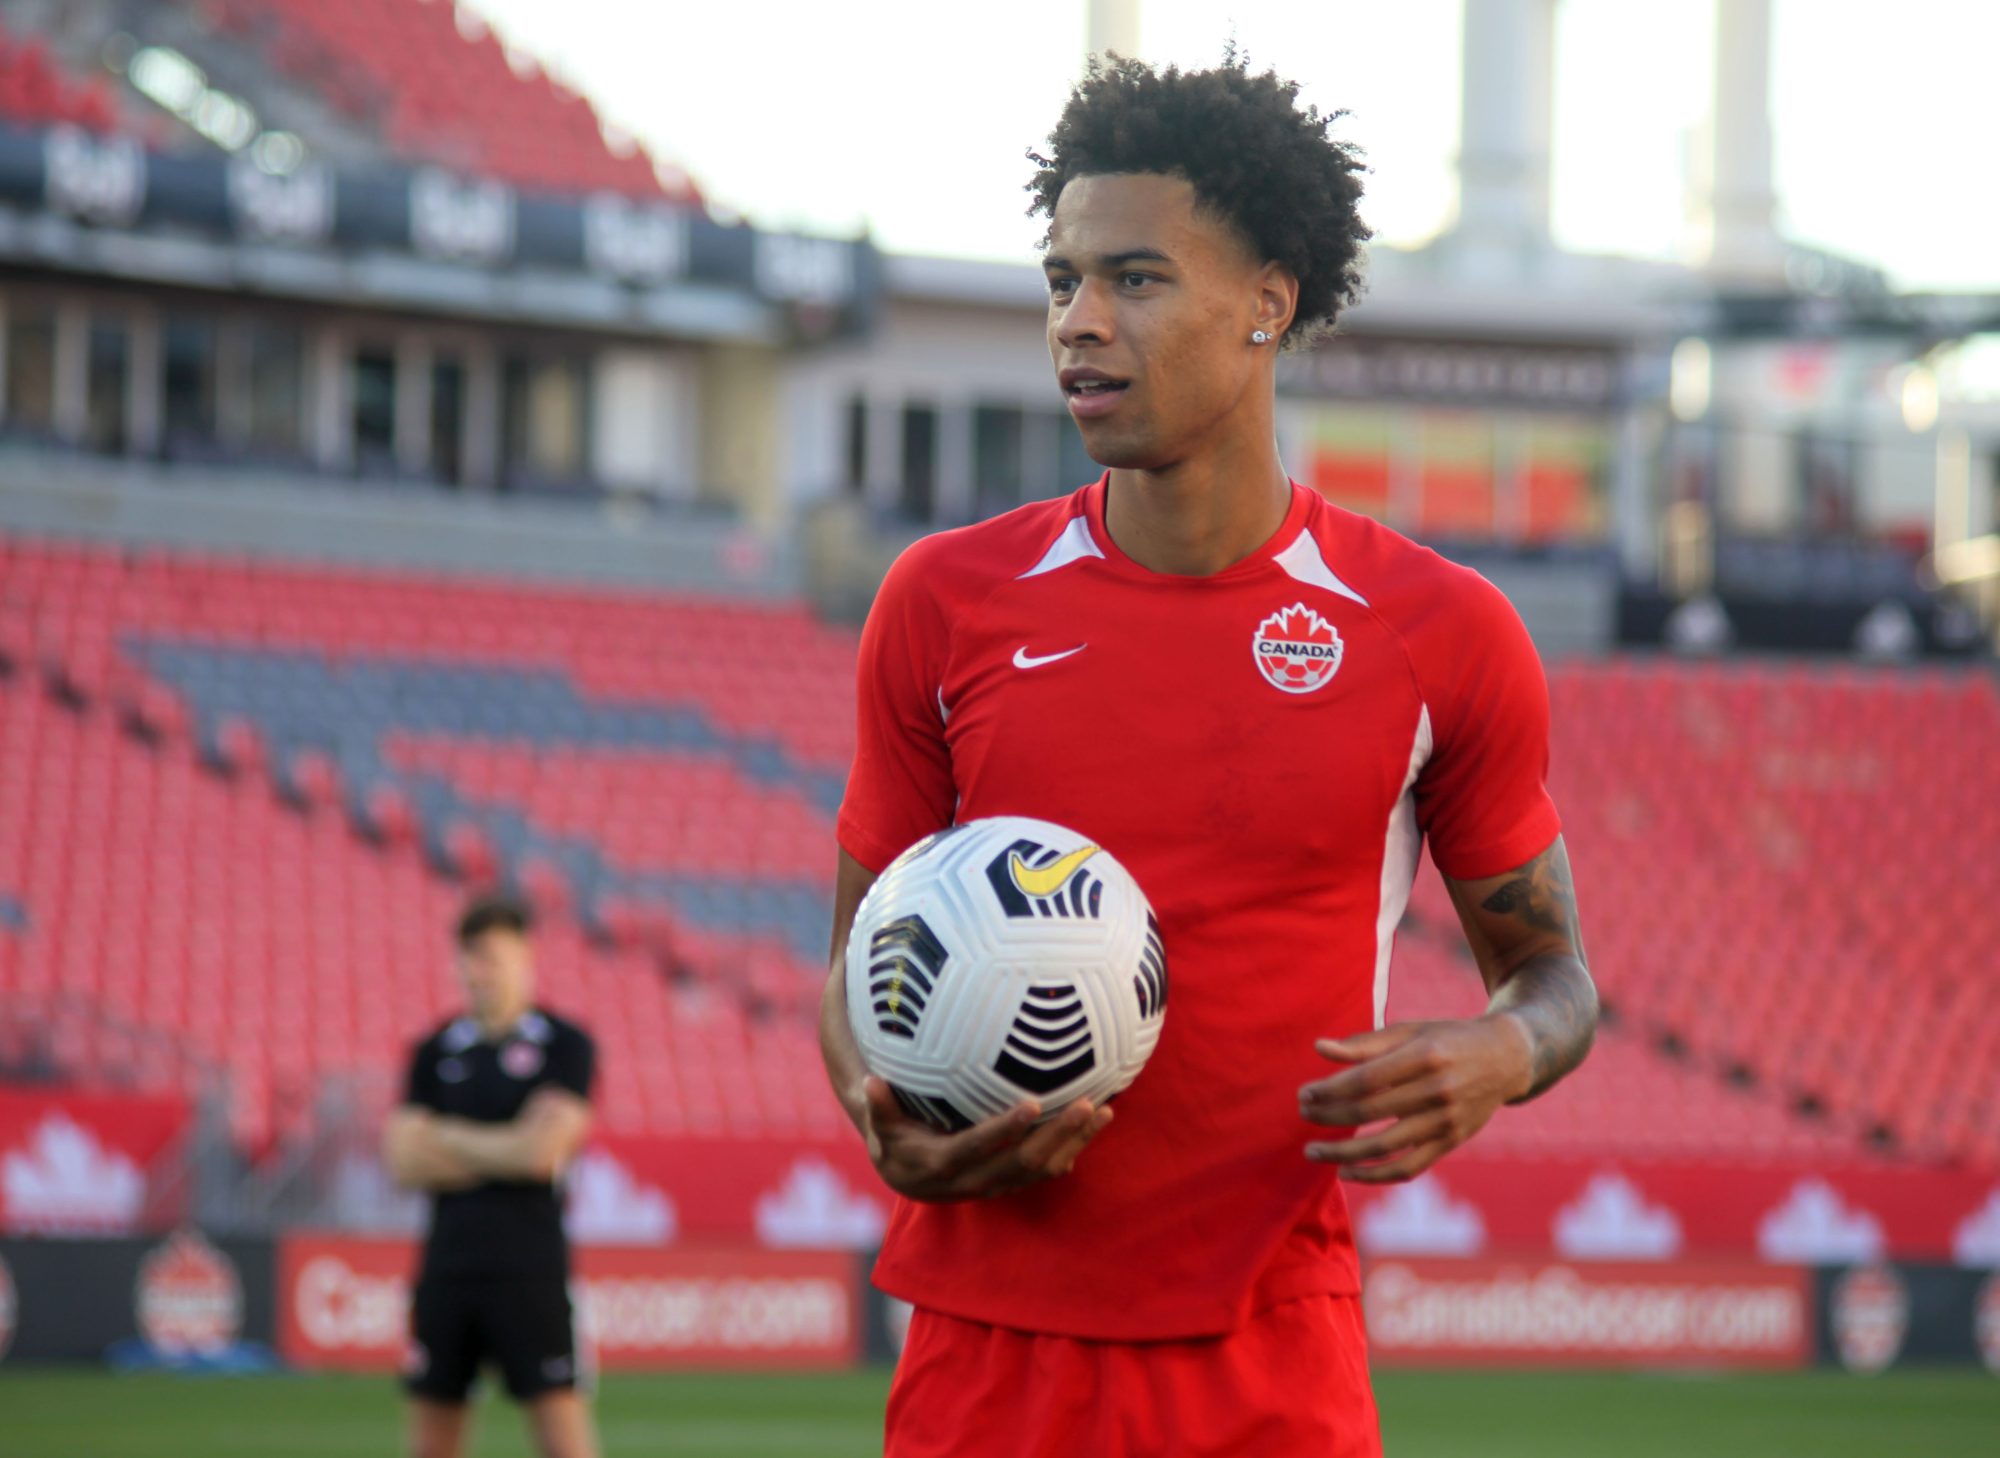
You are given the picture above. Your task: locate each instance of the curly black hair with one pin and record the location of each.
(1253, 155)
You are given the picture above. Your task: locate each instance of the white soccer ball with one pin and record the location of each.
(1002, 960)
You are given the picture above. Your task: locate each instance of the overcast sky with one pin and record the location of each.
(911, 116)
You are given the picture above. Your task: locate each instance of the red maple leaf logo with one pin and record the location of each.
(1296, 648)
(1301, 624)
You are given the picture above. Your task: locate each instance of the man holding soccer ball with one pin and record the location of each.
(1262, 706)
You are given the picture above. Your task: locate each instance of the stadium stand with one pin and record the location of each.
(443, 89)
(165, 908)
(250, 793)
(1750, 842)
(37, 90)
(200, 826)
(1614, 1104)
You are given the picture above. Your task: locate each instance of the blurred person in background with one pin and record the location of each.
(498, 1103)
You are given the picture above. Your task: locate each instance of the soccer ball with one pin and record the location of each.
(1002, 960)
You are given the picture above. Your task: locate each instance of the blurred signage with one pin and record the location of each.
(1447, 372)
(192, 1300)
(96, 179)
(188, 1298)
(1792, 1212)
(473, 222)
(81, 1164)
(1577, 1314)
(1869, 1311)
(344, 1303)
(1883, 1314)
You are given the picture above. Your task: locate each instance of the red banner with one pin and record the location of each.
(786, 1193)
(1570, 1314)
(344, 1303)
(84, 1163)
(1610, 1209)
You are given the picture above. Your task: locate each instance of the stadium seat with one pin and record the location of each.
(1747, 839)
(37, 91)
(443, 90)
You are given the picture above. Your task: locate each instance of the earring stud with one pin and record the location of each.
(1260, 337)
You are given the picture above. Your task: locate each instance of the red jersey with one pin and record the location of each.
(1265, 749)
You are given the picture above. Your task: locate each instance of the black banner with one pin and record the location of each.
(181, 1297)
(1894, 1315)
(827, 284)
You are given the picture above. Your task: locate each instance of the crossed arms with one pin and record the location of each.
(425, 1150)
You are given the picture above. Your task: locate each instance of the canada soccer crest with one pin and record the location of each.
(1297, 649)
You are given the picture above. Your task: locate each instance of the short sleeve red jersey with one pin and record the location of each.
(1266, 750)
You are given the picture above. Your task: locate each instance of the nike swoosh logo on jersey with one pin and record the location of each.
(1022, 660)
(1048, 880)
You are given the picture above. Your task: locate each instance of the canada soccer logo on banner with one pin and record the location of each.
(1871, 1316)
(1297, 649)
(189, 1299)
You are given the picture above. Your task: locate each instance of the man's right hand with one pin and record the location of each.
(1004, 1153)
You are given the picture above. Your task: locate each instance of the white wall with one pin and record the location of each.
(645, 435)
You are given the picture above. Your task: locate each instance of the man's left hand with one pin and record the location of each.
(1436, 1083)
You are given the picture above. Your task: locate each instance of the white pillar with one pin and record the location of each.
(1504, 131)
(1951, 520)
(1741, 203)
(1112, 25)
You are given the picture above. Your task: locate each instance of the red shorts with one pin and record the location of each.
(1293, 1383)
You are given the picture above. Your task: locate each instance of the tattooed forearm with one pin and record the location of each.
(1555, 999)
(1539, 894)
(1523, 930)
(1552, 997)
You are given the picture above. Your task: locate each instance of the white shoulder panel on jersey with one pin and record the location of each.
(1402, 848)
(1073, 545)
(1302, 560)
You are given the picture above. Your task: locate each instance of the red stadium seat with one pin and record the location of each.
(444, 92)
(1779, 969)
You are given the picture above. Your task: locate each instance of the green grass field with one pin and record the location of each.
(56, 1414)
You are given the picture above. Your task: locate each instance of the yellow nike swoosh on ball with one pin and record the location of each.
(1048, 880)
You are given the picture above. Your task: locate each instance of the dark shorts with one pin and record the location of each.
(526, 1328)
